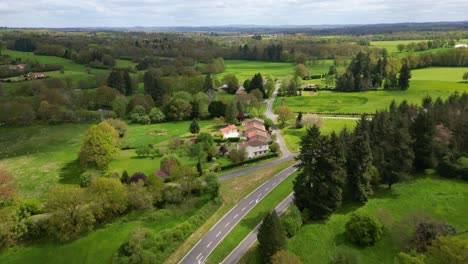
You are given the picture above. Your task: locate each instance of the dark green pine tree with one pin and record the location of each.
(127, 82)
(423, 130)
(208, 84)
(153, 87)
(318, 186)
(271, 236)
(125, 177)
(115, 80)
(405, 76)
(194, 127)
(299, 120)
(256, 83)
(398, 151)
(359, 163)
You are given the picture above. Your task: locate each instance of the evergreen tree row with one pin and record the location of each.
(385, 150)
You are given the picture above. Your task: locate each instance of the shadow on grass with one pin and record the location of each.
(70, 173)
(385, 193)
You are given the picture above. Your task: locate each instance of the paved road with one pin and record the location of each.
(200, 252)
(250, 239)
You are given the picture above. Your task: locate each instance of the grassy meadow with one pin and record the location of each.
(444, 199)
(292, 136)
(71, 69)
(43, 155)
(247, 69)
(436, 82)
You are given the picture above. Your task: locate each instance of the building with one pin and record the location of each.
(230, 131)
(36, 75)
(461, 46)
(254, 148)
(17, 67)
(257, 138)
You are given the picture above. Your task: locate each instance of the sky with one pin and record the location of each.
(160, 13)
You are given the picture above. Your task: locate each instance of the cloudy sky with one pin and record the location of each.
(126, 13)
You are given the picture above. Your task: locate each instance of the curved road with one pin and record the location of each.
(200, 252)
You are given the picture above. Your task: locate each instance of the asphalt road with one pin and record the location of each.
(200, 252)
(250, 239)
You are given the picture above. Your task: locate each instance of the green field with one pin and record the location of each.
(41, 156)
(292, 136)
(247, 69)
(391, 45)
(445, 199)
(72, 70)
(436, 82)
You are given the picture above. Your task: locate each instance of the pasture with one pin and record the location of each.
(391, 45)
(445, 199)
(43, 155)
(435, 82)
(292, 136)
(244, 69)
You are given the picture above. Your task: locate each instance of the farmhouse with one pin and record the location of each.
(230, 131)
(257, 138)
(36, 75)
(254, 148)
(17, 67)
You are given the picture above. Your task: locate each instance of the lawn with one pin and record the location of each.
(436, 82)
(292, 136)
(391, 46)
(445, 199)
(99, 246)
(41, 156)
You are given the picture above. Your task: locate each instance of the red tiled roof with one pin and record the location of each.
(253, 143)
(228, 129)
(254, 125)
(256, 133)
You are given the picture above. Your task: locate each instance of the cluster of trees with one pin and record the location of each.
(444, 58)
(385, 150)
(426, 45)
(369, 71)
(273, 233)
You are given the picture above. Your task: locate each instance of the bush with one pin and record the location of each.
(275, 147)
(291, 221)
(426, 231)
(364, 230)
(88, 176)
(138, 176)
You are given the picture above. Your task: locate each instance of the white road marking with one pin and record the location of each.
(199, 255)
(236, 216)
(209, 244)
(227, 224)
(243, 209)
(256, 201)
(259, 195)
(251, 202)
(267, 189)
(219, 233)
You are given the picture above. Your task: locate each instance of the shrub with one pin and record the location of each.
(426, 231)
(88, 176)
(364, 230)
(275, 147)
(138, 176)
(118, 125)
(291, 221)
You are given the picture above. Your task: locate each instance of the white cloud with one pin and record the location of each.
(91, 13)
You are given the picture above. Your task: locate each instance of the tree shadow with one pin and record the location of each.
(385, 193)
(70, 173)
(349, 207)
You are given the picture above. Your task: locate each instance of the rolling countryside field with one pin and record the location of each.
(436, 82)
